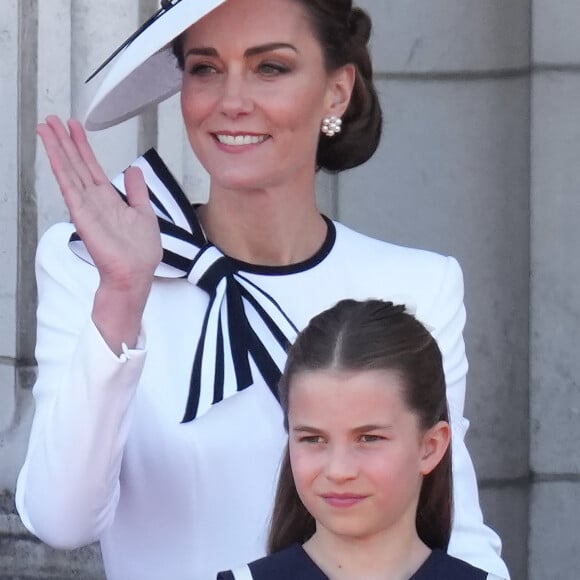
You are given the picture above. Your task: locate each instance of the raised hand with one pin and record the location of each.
(123, 240)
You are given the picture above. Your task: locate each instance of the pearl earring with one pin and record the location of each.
(331, 125)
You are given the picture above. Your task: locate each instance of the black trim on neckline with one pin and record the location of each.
(321, 254)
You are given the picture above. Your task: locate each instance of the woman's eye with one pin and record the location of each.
(272, 69)
(202, 70)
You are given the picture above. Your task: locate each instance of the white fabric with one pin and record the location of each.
(242, 573)
(108, 458)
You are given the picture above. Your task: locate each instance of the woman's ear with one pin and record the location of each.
(341, 85)
(435, 442)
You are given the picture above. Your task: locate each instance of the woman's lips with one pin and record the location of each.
(239, 140)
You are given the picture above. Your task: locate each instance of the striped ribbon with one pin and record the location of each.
(240, 320)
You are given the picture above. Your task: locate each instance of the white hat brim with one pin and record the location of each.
(145, 72)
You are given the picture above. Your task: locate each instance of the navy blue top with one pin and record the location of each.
(294, 562)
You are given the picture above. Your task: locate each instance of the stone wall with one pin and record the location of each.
(555, 292)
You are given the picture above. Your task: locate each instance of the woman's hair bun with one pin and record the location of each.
(344, 32)
(360, 25)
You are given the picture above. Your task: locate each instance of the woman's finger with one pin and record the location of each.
(86, 152)
(136, 188)
(70, 150)
(67, 179)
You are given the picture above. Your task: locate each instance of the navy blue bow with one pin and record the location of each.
(240, 318)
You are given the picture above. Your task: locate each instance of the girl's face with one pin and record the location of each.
(357, 452)
(255, 91)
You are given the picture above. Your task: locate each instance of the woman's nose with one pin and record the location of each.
(341, 464)
(236, 98)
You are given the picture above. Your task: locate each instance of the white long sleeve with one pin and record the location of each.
(69, 486)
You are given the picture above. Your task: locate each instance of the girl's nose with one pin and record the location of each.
(236, 99)
(341, 464)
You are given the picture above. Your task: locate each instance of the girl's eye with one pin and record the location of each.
(370, 438)
(312, 439)
(272, 69)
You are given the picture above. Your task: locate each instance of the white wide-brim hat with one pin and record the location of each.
(144, 70)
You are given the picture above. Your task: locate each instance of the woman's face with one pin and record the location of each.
(357, 452)
(255, 91)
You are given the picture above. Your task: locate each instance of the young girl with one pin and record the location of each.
(365, 487)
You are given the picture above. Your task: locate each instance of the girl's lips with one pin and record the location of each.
(341, 500)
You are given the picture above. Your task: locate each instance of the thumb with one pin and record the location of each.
(136, 188)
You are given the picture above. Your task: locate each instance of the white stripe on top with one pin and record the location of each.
(242, 573)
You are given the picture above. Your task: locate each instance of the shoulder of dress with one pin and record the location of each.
(55, 239)
(55, 259)
(457, 568)
(367, 251)
(282, 565)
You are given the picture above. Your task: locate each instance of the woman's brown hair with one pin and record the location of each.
(359, 336)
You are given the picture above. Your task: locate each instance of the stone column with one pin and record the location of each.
(8, 211)
(555, 292)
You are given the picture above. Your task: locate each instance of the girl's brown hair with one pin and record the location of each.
(359, 336)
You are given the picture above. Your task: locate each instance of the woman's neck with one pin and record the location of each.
(266, 228)
(387, 555)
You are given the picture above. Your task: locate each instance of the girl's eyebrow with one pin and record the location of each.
(253, 51)
(373, 427)
(361, 429)
(305, 429)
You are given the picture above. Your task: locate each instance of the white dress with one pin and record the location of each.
(109, 457)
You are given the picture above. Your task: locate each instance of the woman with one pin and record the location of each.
(365, 486)
(157, 430)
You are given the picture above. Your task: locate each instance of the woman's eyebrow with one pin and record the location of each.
(253, 51)
(202, 51)
(269, 47)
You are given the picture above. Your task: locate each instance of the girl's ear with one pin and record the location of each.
(341, 85)
(434, 444)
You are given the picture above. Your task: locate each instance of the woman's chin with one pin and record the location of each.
(240, 182)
